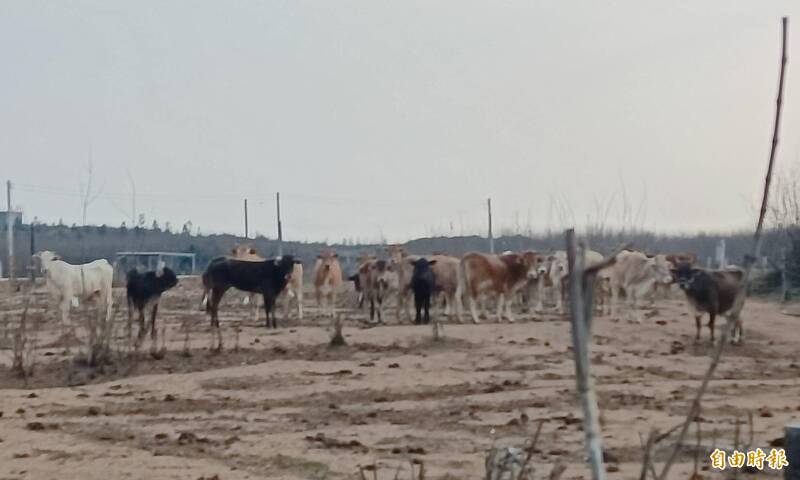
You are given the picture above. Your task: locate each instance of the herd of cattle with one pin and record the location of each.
(536, 280)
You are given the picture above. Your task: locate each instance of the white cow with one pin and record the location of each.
(636, 274)
(559, 270)
(68, 284)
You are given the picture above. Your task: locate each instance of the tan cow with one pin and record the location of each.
(327, 281)
(401, 261)
(502, 275)
(634, 274)
(294, 287)
(445, 270)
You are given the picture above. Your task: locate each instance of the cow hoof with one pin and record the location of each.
(157, 355)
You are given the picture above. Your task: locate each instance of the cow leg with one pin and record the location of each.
(558, 295)
(216, 297)
(711, 319)
(407, 303)
(253, 306)
(287, 297)
(418, 308)
(427, 306)
(64, 307)
(142, 327)
(129, 331)
(614, 306)
(501, 299)
(539, 295)
(268, 304)
(509, 313)
(698, 320)
(472, 309)
(154, 333)
(299, 298)
(738, 334)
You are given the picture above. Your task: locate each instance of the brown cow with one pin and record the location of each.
(294, 287)
(716, 292)
(502, 275)
(327, 281)
(380, 280)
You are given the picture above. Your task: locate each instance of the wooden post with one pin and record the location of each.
(280, 227)
(491, 237)
(580, 343)
(791, 443)
(748, 267)
(10, 224)
(246, 230)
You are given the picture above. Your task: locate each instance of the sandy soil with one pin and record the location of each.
(284, 405)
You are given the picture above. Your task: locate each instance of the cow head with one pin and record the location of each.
(422, 265)
(327, 259)
(685, 275)
(245, 252)
(168, 278)
(285, 265)
(385, 275)
(396, 252)
(44, 258)
(558, 266)
(662, 268)
(534, 262)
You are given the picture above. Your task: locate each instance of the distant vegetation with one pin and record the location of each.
(82, 244)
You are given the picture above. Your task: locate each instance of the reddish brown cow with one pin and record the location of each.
(502, 275)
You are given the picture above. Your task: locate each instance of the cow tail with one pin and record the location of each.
(204, 302)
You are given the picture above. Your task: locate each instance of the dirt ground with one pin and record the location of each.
(284, 405)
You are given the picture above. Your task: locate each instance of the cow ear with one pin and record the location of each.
(319, 256)
(252, 251)
(431, 262)
(696, 271)
(335, 255)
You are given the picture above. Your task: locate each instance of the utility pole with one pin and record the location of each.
(491, 238)
(280, 227)
(246, 230)
(10, 231)
(133, 199)
(33, 251)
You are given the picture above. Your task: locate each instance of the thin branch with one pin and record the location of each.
(726, 332)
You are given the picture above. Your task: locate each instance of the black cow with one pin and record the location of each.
(268, 277)
(356, 279)
(423, 284)
(716, 292)
(145, 289)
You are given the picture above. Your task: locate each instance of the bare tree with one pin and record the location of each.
(88, 194)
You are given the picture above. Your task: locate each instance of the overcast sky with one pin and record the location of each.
(395, 119)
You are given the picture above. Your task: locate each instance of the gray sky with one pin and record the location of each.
(394, 118)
